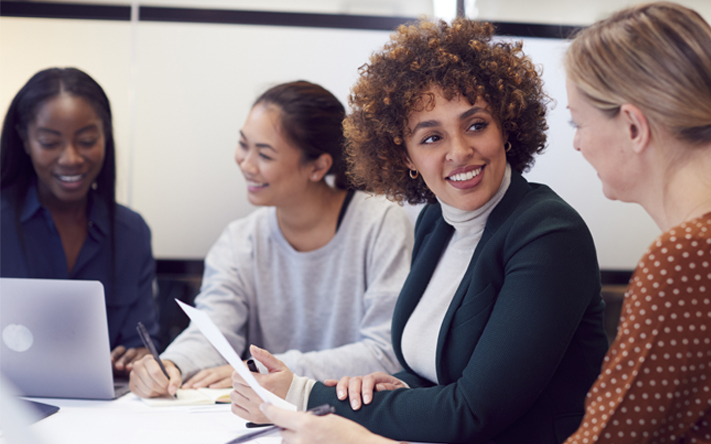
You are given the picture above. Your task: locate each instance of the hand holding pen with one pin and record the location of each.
(321, 410)
(147, 383)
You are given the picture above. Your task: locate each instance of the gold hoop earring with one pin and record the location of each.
(414, 174)
(508, 146)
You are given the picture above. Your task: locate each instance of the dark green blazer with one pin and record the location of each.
(521, 342)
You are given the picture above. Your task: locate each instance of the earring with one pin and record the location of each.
(508, 146)
(315, 177)
(414, 174)
(94, 186)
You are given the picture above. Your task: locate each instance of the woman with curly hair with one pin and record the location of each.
(499, 324)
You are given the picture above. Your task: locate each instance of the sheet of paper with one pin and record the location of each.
(201, 396)
(218, 340)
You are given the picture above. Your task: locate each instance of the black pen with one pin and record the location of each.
(321, 410)
(148, 343)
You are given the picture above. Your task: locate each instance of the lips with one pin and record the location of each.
(461, 177)
(256, 186)
(71, 182)
(66, 178)
(467, 177)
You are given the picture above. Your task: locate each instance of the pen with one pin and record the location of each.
(252, 366)
(321, 410)
(146, 338)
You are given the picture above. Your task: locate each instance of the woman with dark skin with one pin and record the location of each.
(60, 219)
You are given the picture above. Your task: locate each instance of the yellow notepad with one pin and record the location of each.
(201, 396)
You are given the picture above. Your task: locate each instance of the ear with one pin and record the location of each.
(637, 128)
(408, 161)
(320, 167)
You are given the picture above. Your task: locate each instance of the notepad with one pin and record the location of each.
(200, 396)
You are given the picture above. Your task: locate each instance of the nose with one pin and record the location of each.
(576, 144)
(70, 156)
(459, 150)
(245, 159)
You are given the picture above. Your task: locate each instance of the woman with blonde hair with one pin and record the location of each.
(639, 93)
(498, 326)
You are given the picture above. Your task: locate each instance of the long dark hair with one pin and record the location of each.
(16, 170)
(312, 118)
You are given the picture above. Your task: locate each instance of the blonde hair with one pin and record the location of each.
(655, 56)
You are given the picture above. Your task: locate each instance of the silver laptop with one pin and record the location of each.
(55, 339)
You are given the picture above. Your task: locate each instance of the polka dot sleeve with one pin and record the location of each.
(655, 382)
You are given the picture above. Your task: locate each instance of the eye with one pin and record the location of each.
(264, 156)
(479, 125)
(573, 124)
(48, 145)
(430, 139)
(88, 143)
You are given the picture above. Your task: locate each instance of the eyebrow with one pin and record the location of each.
(258, 145)
(434, 123)
(49, 130)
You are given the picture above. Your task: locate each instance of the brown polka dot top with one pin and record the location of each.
(655, 382)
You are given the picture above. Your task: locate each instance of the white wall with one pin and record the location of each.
(195, 87)
(192, 86)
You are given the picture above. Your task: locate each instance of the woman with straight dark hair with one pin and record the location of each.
(313, 275)
(60, 218)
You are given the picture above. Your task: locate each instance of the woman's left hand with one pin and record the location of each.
(303, 428)
(363, 386)
(245, 401)
(122, 358)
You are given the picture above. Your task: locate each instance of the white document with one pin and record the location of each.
(218, 340)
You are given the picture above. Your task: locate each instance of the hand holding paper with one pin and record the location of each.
(217, 339)
(278, 380)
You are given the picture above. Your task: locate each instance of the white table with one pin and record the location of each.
(129, 421)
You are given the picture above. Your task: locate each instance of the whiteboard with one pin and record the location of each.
(181, 92)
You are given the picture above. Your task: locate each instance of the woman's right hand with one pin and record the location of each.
(363, 386)
(148, 381)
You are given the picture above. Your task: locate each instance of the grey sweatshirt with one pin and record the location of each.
(325, 313)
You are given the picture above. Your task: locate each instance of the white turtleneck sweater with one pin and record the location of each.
(419, 339)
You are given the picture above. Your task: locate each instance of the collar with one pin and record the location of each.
(98, 211)
(476, 220)
(32, 204)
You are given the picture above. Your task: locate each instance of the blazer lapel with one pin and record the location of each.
(516, 191)
(420, 274)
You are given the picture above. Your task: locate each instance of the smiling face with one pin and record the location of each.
(271, 164)
(66, 144)
(458, 148)
(600, 139)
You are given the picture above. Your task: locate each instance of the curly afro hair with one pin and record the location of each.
(460, 59)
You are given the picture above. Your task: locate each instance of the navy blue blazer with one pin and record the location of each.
(522, 340)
